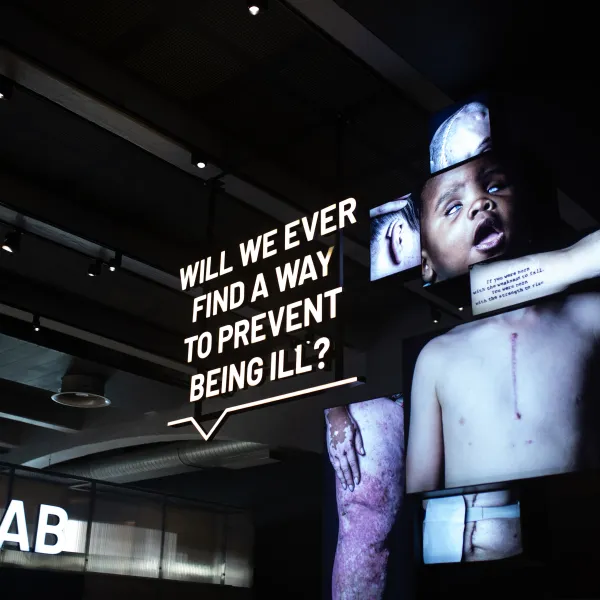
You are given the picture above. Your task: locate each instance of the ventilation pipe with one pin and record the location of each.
(171, 459)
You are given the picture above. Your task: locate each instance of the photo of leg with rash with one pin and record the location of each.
(365, 444)
(472, 527)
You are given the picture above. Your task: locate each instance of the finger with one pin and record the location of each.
(389, 207)
(347, 472)
(337, 467)
(395, 229)
(358, 442)
(353, 462)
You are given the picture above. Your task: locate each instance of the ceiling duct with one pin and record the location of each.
(82, 391)
(171, 459)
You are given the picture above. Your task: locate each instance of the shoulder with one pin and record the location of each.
(583, 311)
(438, 349)
(583, 301)
(455, 341)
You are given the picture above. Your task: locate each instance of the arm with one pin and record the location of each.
(388, 207)
(425, 451)
(582, 259)
(344, 440)
(545, 274)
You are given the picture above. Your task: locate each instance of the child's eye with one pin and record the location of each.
(452, 209)
(494, 188)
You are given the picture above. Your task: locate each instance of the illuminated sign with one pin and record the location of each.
(15, 513)
(286, 319)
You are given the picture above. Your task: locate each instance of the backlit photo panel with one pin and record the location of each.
(365, 447)
(459, 133)
(395, 244)
(507, 397)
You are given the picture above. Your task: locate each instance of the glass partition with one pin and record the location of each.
(77, 525)
(194, 545)
(126, 533)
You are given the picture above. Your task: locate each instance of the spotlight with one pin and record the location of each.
(461, 308)
(436, 314)
(6, 88)
(198, 161)
(12, 242)
(115, 262)
(95, 269)
(36, 323)
(256, 6)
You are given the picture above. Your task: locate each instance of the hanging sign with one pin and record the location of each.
(287, 318)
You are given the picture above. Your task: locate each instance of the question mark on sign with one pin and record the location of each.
(326, 344)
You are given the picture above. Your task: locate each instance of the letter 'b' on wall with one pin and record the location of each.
(44, 529)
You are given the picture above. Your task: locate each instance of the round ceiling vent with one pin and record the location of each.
(82, 391)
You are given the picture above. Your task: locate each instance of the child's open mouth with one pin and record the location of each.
(488, 235)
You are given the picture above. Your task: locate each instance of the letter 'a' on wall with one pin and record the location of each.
(15, 513)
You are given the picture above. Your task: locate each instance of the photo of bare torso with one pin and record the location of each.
(515, 396)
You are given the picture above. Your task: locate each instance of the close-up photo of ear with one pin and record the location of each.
(395, 237)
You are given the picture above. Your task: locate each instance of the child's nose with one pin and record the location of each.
(481, 204)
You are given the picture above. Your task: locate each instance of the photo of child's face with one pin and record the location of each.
(468, 215)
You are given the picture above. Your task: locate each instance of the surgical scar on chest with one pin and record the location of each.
(513, 363)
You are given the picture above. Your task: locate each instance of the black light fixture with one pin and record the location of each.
(12, 242)
(6, 87)
(436, 314)
(36, 323)
(115, 262)
(198, 160)
(95, 269)
(255, 7)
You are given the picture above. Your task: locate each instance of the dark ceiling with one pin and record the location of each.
(464, 46)
(275, 83)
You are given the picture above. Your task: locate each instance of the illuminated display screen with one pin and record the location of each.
(472, 527)
(459, 133)
(365, 443)
(506, 283)
(508, 397)
(471, 213)
(490, 207)
(395, 237)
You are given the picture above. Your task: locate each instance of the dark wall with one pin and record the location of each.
(286, 502)
(26, 584)
(288, 558)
